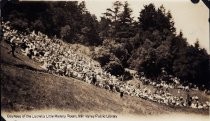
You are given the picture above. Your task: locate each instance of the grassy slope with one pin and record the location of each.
(25, 86)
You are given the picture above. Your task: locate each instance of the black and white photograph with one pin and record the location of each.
(97, 60)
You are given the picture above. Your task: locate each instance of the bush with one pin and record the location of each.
(114, 68)
(127, 76)
(102, 56)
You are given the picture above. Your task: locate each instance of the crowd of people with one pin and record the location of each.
(57, 57)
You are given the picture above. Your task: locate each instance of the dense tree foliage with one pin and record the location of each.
(67, 20)
(156, 19)
(147, 45)
(151, 45)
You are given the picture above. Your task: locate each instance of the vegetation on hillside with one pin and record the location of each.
(148, 45)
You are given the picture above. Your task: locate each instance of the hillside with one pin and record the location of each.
(25, 86)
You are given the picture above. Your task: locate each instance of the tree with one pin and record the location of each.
(38, 25)
(104, 26)
(103, 56)
(115, 68)
(82, 7)
(152, 19)
(66, 33)
(147, 17)
(125, 22)
(164, 57)
(197, 45)
(190, 63)
(89, 30)
(144, 59)
(113, 15)
(109, 61)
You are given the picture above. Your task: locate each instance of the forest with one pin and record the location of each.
(149, 45)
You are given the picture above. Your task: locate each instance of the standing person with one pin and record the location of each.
(111, 86)
(13, 46)
(93, 79)
(121, 94)
(189, 100)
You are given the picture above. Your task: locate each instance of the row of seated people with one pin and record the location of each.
(57, 57)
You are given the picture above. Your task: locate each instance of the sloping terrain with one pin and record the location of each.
(25, 86)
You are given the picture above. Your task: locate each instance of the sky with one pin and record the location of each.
(191, 19)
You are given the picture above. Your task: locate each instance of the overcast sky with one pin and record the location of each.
(191, 18)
